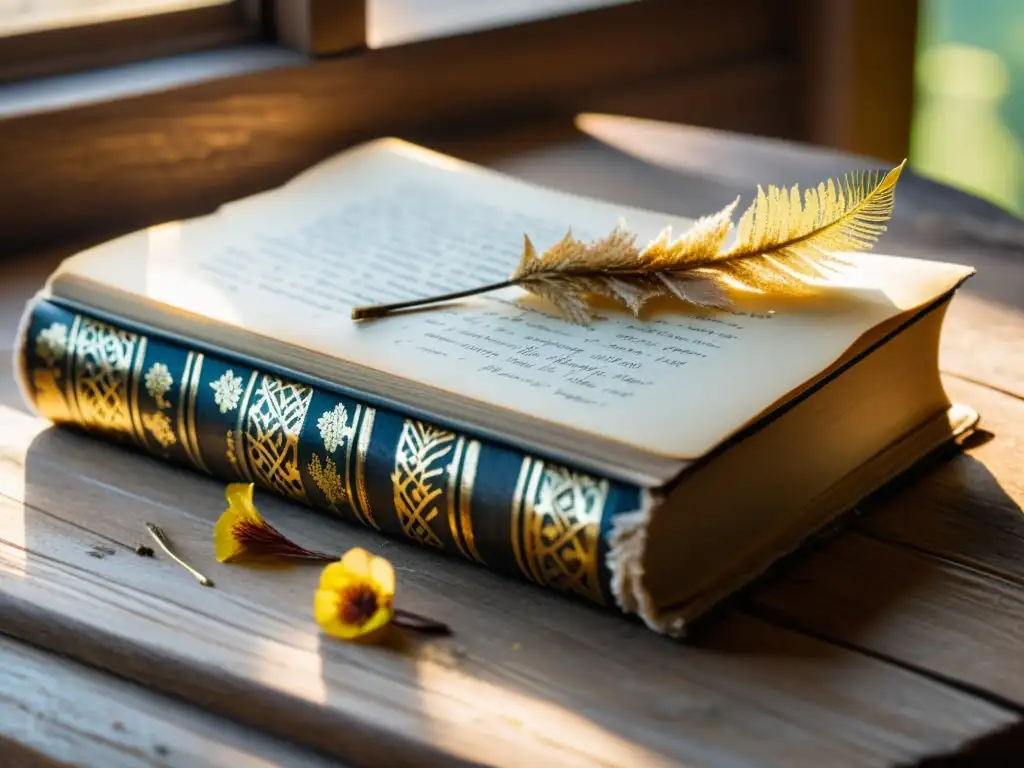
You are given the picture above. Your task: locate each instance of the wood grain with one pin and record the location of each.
(59, 712)
(64, 48)
(528, 676)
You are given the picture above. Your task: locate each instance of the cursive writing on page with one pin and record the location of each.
(414, 239)
(595, 366)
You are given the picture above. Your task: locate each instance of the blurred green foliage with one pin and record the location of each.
(969, 108)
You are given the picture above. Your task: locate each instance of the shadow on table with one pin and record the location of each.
(1001, 748)
(928, 575)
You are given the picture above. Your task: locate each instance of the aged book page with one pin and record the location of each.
(276, 275)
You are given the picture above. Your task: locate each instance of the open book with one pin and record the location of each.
(655, 464)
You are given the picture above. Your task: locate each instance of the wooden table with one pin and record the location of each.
(897, 641)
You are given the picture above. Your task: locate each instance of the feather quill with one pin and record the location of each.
(784, 244)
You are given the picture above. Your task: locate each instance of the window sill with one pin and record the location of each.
(83, 89)
(101, 153)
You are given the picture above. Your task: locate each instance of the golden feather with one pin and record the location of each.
(783, 244)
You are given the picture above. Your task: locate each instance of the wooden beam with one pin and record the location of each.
(858, 73)
(321, 27)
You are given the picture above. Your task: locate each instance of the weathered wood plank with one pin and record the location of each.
(969, 509)
(934, 575)
(60, 712)
(923, 611)
(528, 676)
(984, 335)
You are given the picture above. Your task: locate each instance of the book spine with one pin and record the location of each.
(468, 497)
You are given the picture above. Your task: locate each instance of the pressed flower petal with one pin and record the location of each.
(357, 562)
(335, 576)
(383, 574)
(325, 611)
(226, 544)
(355, 598)
(378, 621)
(239, 497)
(329, 611)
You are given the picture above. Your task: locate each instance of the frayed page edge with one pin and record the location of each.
(627, 544)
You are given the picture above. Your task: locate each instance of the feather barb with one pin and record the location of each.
(785, 243)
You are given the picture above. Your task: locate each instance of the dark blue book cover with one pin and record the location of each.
(325, 448)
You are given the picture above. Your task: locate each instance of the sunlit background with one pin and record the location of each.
(969, 110)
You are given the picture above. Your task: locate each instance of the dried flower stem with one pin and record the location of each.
(161, 538)
(268, 541)
(415, 621)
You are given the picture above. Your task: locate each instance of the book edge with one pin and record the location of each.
(628, 537)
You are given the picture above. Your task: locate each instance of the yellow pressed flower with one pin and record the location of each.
(355, 599)
(356, 596)
(242, 533)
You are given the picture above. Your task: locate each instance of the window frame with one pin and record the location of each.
(66, 50)
(100, 153)
(320, 27)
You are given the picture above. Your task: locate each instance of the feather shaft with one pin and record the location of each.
(379, 310)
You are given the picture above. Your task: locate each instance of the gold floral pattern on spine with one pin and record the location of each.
(49, 398)
(351, 430)
(227, 391)
(101, 371)
(334, 428)
(328, 480)
(159, 426)
(335, 432)
(229, 441)
(273, 427)
(158, 383)
(419, 462)
(51, 346)
(556, 521)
